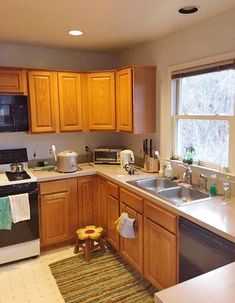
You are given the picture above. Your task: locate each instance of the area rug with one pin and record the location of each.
(107, 278)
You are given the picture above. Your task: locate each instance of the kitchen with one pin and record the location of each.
(209, 40)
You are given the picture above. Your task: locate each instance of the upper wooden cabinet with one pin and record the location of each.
(101, 100)
(136, 99)
(70, 101)
(43, 93)
(13, 81)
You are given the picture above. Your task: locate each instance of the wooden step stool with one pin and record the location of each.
(86, 238)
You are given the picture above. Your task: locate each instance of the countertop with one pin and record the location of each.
(210, 214)
(217, 286)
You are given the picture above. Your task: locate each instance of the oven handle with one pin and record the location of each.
(33, 193)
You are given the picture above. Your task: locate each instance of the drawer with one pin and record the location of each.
(131, 200)
(113, 189)
(51, 187)
(160, 216)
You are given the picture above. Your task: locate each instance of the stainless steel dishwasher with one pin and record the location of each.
(201, 250)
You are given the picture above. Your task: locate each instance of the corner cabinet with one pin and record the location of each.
(101, 100)
(136, 99)
(13, 81)
(43, 94)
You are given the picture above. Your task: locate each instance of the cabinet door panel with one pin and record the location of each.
(103, 206)
(132, 248)
(87, 193)
(124, 100)
(113, 214)
(160, 258)
(43, 101)
(70, 101)
(54, 218)
(101, 99)
(13, 81)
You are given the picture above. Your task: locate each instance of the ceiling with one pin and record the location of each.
(107, 24)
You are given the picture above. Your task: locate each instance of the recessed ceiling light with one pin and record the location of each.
(75, 32)
(188, 10)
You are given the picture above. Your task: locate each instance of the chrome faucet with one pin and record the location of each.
(187, 176)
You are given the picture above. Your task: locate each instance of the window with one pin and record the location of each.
(204, 100)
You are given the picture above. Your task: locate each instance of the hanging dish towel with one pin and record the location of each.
(20, 209)
(5, 213)
(126, 226)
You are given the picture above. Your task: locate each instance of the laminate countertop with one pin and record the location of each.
(217, 286)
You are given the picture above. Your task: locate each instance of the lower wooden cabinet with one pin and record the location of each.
(113, 214)
(87, 201)
(160, 247)
(132, 249)
(58, 211)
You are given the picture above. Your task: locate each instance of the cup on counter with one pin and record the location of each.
(227, 191)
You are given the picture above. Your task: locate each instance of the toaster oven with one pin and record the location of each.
(107, 155)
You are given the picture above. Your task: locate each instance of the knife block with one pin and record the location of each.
(151, 165)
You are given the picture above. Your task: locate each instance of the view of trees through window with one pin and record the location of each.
(207, 95)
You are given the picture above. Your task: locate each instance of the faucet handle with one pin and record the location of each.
(185, 166)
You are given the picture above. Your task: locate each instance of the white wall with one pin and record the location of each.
(212, 37)
(46, 58)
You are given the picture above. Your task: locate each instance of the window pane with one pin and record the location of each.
(210, 138)
(208, 94)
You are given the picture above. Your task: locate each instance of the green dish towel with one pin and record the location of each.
(5, 213)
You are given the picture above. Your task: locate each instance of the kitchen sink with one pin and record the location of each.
(183, 196)
(153, 184)
(170, 191)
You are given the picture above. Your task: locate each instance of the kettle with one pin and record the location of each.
(67, 161)
(126, 157)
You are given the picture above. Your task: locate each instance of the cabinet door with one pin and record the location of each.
(54, 218)
(70, 101)
(101, 99)
(13, 81)
(113, 214)
(103, 206)
(124, 100)
(43, 101)
(160, 257)
(87, 194)
(132, 249)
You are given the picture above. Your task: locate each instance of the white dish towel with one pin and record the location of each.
(127, 229)
(20, 209)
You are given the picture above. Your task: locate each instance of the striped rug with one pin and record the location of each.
(107, 278)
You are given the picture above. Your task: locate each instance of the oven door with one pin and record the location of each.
(23, 231)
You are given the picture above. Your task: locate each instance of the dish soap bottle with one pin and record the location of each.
(168, 170)
(213, 190)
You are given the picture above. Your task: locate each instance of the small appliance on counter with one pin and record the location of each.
(67, 161)
(107, 155)
(126, 157)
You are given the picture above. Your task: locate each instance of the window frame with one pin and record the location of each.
(175, 99)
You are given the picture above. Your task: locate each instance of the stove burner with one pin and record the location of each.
(17, 176)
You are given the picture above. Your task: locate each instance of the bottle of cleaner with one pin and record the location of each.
(213, 190)
(168, 170)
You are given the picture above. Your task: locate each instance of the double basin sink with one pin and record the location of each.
(170, 191)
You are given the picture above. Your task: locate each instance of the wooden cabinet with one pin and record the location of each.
(87, 201)
(13, 81)
(70, 101)
(160, 246)
(109, 210)
(58, 211)
(136, 99)
(101, 100)
(43, 93)
(132, 249)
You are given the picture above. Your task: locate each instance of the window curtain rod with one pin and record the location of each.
(203, 69)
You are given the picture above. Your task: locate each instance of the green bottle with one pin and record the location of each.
(213, 190)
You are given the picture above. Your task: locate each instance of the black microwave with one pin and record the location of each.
(13, 114)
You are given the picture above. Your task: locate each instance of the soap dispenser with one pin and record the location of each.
(168, 170)
(213, 190)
